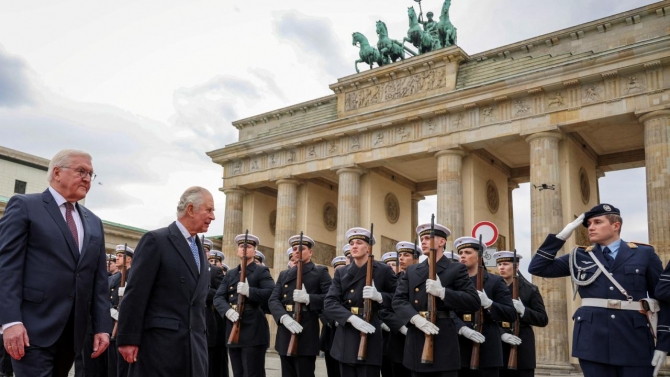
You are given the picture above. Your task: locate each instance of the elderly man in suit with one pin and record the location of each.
(53, 273)
(164, 331)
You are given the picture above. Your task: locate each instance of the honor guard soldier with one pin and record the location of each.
(315, 284)
(394, 348)
(391, 260)
(247, 356)
(452, 290)
(216, 325)
(111, 266)
(346, 251)
(207, 245)
(450, 255)
(289, 254)
(225, 268)
(531, 312)
(345, 305)
(116, 366)
(328, 329)
(496, 301)
(611, 336)
(259, 258)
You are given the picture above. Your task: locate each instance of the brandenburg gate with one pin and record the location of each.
(558, 110)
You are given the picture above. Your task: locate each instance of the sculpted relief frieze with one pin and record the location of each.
(395, 89)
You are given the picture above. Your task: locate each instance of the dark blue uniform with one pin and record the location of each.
(534, 315)
(502, 310)
(604, 338)
(216, 329)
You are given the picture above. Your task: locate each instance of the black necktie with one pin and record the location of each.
(607, 253)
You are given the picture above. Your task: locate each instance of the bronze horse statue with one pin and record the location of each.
(417, 36)
(390, 49)
(445, 28)
(367, 53)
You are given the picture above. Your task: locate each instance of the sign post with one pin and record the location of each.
(489, 233)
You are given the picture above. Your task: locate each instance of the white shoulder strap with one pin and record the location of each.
(609, 276)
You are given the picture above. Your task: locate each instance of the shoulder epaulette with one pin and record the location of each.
(633, 245)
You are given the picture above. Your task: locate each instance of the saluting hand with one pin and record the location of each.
(567, 231)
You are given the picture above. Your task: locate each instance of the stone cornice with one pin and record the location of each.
(289, 110)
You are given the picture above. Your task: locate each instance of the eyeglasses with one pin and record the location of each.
(82, 173)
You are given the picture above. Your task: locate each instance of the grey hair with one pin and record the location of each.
(62, 159)
(193, 195)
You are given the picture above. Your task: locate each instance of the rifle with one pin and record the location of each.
(293, 343)
(367, 303)
(234, 337)
(479, 315)
(122, 285)
(512, 361)
(427, 353)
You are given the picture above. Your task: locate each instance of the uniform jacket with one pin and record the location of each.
(411, 298)
(254, 329)
(114, 284)
(45, 277)
(163, 309)
(216, 328)
(502, 309)
(317, 282)
(346, 292)
(534, 315)
(609, 336)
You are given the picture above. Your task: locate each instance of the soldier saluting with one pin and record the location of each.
(611, 336)
(452, 289)
(315, 284)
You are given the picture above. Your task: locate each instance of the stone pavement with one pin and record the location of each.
(273, 368)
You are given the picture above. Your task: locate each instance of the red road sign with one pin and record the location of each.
(488, 231)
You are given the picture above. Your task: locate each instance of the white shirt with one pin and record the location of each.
(60, 201)
(186, 234)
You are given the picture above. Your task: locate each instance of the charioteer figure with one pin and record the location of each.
(287, 298)
(616, 280)
(530, 311)
(345, 304)
(452, 289)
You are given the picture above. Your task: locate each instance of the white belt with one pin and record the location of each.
(612, 304)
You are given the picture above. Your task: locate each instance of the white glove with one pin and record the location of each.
(121, 291)
(361, 325)
(434, 287)
(292, 326)
(511, 339)
(114, 313)
(385, 328)
(243, 288)
(372, 293)
(485, 300)
(424, 325)
(567, 231)
(232, 315)
(518, 305)
(658, 360)
(301, 295)
(403, 330)
(471, 334)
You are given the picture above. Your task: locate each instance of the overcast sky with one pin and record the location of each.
(147, 87)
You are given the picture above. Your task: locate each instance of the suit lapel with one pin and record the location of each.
(622, 255)
(183, 249)
(83, 215)
(57, 216)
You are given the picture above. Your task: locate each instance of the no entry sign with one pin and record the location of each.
(488, 231)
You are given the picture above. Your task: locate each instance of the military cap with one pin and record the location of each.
(111, 257)
(440, 230)
(339, 261)
(306, 241)
(346, 250)
(408, 247)
(391, 256)
(465, 242)
(208, 244)
(251, 239)
(215, 254)
(360, 234)
(259, 256)
(289, 252)
(451, 256)
(129, 251)
(506, 256)
(599, 210)
(225, 267)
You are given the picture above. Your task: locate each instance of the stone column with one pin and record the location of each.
(599, 174)
(232, 224)
(551, 342)
(287, 217)
(657, 168)
(450, 191)
(416, 198)
(511, 185)
(348, 203)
